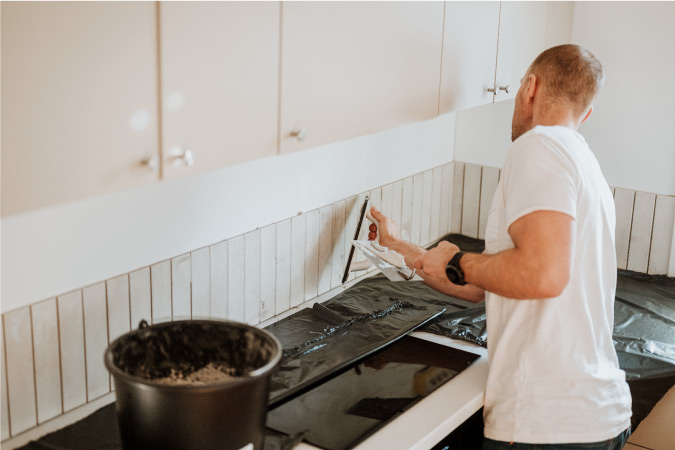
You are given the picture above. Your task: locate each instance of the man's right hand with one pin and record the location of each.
(389, 231)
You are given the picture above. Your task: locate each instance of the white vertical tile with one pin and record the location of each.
(641, 232)
(181, 295)
(267, 271)
(160, 278)
(200, 266)
(325, 248)
(662, 235)
(376, 201)
(71, 335)
(671, 264)
(471, 200)
(119, 316)
(425, 221)
(623, 200)
(218, 280)
(283, 267)
(365, 225)
(418, 195)
(376, 198)
(312, 235)
(397, 202)
(387, 199)
(436, 192)
(457, 197)
(141, 300)
(488, 187)
(338, 256)
(446, 199)
(353, 210)
(297, 260)
(236, 283)
(20, 375)
(252, 277)
(407, 209)
(47, 365)
(4, 414)
(96, 339)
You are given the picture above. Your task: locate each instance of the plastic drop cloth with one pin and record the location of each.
(316, 348)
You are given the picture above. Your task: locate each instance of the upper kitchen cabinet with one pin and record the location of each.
(469, 54)
(79, 100)
(354, 68)
(522, 36)
(220, 83)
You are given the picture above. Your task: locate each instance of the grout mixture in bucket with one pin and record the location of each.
(209, 374)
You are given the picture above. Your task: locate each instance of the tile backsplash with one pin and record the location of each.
(53, 370)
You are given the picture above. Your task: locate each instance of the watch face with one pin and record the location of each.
(452, 274)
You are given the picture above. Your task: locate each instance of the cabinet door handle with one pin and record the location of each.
(180, 156)
(505, 88)
(151, 162)
(494, 90)
(300, 134)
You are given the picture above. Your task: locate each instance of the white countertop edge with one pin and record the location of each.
(437, 415)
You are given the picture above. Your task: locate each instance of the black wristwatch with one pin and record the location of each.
(454, 271)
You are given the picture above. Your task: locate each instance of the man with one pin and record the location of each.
(548, 273)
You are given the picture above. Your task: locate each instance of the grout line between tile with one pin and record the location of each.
(480, 198)
(651, 233)
(58, 333)
(630, 231)
(32, 346)
(84, 343)
(4, 368)
(107, 324)
(129, 290)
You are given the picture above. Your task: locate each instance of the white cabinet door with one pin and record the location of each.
(469, 54)
(220, 78)
(79, 100)
(354, 68)
(522, 36)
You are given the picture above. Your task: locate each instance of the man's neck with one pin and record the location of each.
(555, 117)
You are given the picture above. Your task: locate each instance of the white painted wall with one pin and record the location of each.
(632, 130)
(50, 251)
(483, 134)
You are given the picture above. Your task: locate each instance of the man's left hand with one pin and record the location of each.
(434, 262)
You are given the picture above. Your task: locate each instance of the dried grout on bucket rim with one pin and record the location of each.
(270, 365)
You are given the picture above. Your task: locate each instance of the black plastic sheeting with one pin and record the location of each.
(644, 320)
(315, 346)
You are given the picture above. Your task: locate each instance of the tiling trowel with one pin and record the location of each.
(389, 262)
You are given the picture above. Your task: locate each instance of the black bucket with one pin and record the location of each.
(225, 415)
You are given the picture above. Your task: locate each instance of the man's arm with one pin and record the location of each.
(538, 267)
(389, 237)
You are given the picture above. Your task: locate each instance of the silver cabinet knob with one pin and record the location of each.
(505, 88)
(494, 90)
(300, 135)
(151, 162)
(179, 156)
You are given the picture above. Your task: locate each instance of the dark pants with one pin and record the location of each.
(616, 443)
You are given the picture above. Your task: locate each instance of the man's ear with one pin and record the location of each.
(588, 114)
(533, 85)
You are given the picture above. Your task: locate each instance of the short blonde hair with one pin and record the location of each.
(570, 75)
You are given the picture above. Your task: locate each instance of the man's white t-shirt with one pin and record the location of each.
(554, 375)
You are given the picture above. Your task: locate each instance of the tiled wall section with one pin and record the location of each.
(52, 350)
(644, 221)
